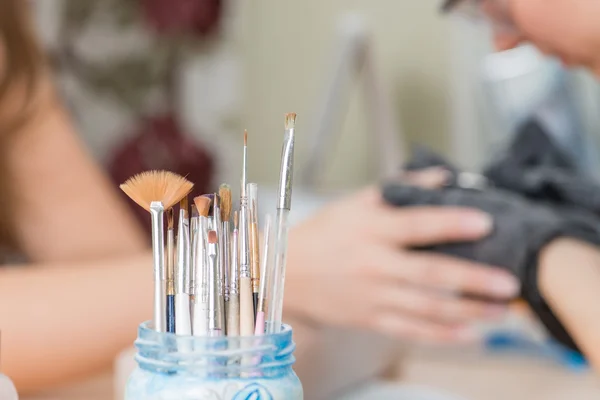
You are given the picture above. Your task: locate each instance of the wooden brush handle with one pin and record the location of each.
(246, 308)
(233, 315)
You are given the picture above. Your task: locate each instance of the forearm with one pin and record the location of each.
(569, 279)
(62, 323)
(57, 191)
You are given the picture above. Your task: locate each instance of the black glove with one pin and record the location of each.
(537, 168)
(521, 229)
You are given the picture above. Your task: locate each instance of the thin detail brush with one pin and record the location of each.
(260, 310)
(156, 191)
(254, 242)
(246, 301)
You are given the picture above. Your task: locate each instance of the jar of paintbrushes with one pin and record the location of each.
(175, 367)
(217, 331)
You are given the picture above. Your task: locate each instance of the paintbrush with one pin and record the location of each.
(254, 242)
(225, 243)
(284, 201)
(218, 227)
(200, 309)
(246, 302)
(170, 271)
(213, 297)
(233, 310)
(156, 191)
(260, 309)
(194, 232)
(183, 324)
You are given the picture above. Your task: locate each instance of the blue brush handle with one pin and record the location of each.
(170, 313)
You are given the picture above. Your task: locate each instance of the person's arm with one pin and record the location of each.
(569, 280)
(88, 282)
(64, 323)
(63, 206)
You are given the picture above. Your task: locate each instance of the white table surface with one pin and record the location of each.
(487, 378)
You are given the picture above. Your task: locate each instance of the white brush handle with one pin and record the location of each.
(246, 307)
(200, 327)
(183, 323)
(233, 315)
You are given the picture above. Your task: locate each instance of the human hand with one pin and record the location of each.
(521, 227)
(522, 230)
(351, 265)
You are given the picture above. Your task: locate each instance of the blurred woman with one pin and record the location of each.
(569, 270)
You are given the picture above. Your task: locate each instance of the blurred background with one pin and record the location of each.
(269, 57)
(387, 73)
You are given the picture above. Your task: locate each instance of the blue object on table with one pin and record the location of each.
(504, 341)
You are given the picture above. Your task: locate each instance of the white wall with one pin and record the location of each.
(287, 46)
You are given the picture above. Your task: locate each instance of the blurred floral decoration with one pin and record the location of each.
(176, 28)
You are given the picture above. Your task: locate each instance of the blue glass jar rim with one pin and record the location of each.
(145, 329)
(162, 351)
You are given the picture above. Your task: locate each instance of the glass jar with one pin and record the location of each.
(172, 367)
(7, 389)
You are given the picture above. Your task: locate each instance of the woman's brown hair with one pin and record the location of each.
(21, 65)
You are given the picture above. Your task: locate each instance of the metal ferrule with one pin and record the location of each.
(170, 262)
(195, 239)
(234, 273)
(201, 268)
(284, 198)
(213, 295)
(158, 252)
(225, 250)
(183, 254)
(243, 239)
(253, 236)
(220, 254)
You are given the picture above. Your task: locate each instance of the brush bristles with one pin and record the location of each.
(203, 205)
(225, 195)
(184, 205)
(290, 120)
(235, 219)
(212, 237)
(245, 137)
(163, 186)
(194, 211)
(170, 219)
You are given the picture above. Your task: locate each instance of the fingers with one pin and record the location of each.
(412, 328)
(436, 306)
(506, 40)
(423, 226)
(445, 273)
